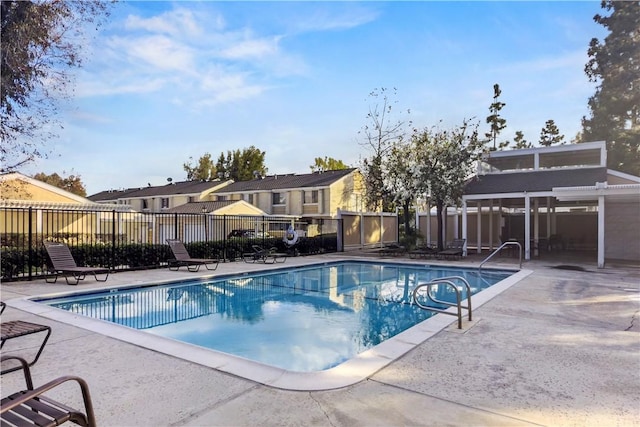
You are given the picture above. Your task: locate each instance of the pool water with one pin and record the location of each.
(300, 319)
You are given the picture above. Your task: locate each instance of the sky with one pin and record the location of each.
(165, 82)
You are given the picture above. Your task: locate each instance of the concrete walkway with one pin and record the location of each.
(559, 348)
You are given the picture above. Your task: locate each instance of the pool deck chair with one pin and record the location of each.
(30, 408)
(182, 258)
(454, 249)
(62, 263)
(266, 256)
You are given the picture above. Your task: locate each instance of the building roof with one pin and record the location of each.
(200, 207)
(171, 189)
(288, 181)
(534, 181)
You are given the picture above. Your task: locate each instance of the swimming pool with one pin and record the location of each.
(301, 319)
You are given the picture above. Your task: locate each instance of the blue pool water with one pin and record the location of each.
(300, 319)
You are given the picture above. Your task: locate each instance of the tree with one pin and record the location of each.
(614, 65)
(380, 133)
(401, 166)
(445, 160)
(241, 165)
(328, 164)
(204, 170)
(497, 123)
(520, 142)
(71, 183)
(41, 43)
(550, 134)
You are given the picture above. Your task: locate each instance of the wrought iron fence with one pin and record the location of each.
(134, 240)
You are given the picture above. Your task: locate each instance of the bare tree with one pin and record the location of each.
(41, 43)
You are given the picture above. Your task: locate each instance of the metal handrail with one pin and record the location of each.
(500, 248)
(458, 304)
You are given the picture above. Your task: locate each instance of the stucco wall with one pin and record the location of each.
(622, 231)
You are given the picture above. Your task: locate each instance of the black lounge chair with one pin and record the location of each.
(266, 256)
(62, 263)
(424, 251)
(30, 408)
(455, 249)
(182, 258)
(392, 249)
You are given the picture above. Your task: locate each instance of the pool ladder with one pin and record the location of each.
(508, 243)
(447, 281)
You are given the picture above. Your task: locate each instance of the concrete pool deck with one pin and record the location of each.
(560, 347)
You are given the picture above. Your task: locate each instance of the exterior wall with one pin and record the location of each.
(622, 231)
(344, 194)
(294, 202)
(20, 190)
(263, 202)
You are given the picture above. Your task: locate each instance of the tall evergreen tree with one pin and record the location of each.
(520, 142)
(494, 119)
(614, 65)
(550, 134)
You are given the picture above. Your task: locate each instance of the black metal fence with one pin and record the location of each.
(122, 240)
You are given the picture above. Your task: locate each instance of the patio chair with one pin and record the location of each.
(182, 258)
(393, 249)
(29, 407)
(267, 256)
(424, 251)
(62, 263)
(454, 249)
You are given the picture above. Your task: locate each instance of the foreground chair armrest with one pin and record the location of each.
(29, 407)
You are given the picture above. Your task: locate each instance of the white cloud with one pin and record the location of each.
(253, 48)
(175, 23)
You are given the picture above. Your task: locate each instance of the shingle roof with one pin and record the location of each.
(183, 187)
(280, 182)
(533, 181)
(196, 207)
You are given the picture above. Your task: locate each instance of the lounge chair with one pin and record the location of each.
(455, 249)
(267, 256)
(392, 249)
(425, 251)
(29, 407)
(182, 258)
(62, 263)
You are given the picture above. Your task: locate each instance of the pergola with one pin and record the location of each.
(542, 182)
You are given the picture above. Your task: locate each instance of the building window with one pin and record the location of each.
(221, 198)
(190, 199)
(164, 202)
(310, 197)
(145, 204)
(248, 198)
(279, 199)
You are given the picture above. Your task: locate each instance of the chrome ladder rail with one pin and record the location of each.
(499, 249)
(458, 304)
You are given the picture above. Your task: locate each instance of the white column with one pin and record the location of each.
(527, 227)
(548, 217)
(479, 228)
(536, 226)
(464, 225)
(601, 232)
(490, 225)
(39, 221)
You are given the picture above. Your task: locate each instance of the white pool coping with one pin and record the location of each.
(360, 367)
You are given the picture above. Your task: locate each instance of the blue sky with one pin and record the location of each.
(166, 81)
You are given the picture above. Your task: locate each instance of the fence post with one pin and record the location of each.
(113, 239)
(224, 236)
(175, 225)
(30, 240)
